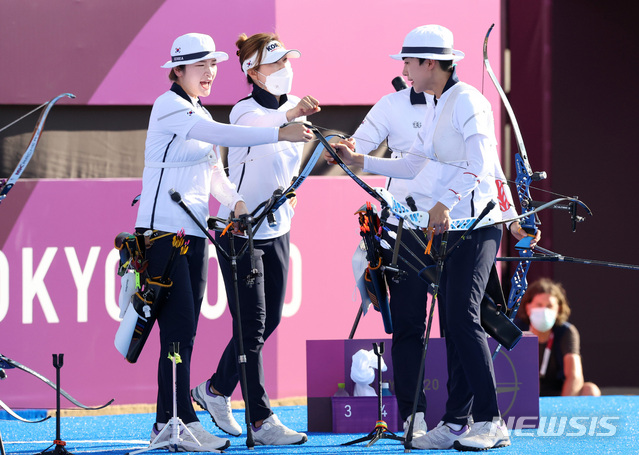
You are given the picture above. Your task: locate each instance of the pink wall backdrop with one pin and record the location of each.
(109, 53)
(58, 291)
(346, 44)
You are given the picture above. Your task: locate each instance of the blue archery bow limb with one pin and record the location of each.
(308, 168)
(418, 219)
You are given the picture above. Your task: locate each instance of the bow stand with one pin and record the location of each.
(250, 223)
(381, 430)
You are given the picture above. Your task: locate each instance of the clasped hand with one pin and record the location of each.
(345, 149)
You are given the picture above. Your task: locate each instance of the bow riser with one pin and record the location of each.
(522, 182)
(518, 287)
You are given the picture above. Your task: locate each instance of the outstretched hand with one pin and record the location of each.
(295, 132)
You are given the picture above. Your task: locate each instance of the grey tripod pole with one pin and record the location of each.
(231, 257)
(443, 254)
(241, 355)
(408, 441)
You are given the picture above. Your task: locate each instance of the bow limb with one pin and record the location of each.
(524, 177)
(308, 168)
(320, 137)
(525, 174)
(16, 416)
(266, 209)
(5, 187)
(417, 219)
(507, 106)
(9, 125)
(6, 362)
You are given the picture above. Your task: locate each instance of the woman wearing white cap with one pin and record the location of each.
(397, 118)
(179, 154)
(457, 142)
(257, 172)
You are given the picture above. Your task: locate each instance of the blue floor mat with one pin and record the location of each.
(580, 425)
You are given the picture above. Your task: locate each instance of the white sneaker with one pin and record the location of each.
(419, 427)
(483, 436)
(274, 433)
(218, 406)
(207, 441)
(442, 437)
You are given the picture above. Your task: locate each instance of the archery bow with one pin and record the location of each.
(297, 181)
(529, 209)
(6, 362)
(5, 186)
(524, 177)
(415, 218)
(419, 219)
(17, 416)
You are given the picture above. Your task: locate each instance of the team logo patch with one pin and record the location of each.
(417, 124)
(271, 47)
(190, 113)
(178, 50)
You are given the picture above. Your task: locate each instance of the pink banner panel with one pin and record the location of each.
(110, 53)
(150, 49)
(346, 46)
(59, 290)
(74, 42)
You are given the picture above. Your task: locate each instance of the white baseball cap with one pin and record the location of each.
(192, 48)
(273, 52)
(429, 41)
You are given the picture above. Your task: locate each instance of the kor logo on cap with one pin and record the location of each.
(271, 47)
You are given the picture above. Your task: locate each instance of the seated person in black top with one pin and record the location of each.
(544, 311)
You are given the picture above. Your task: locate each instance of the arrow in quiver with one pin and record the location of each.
(374, 280)
(145, 305)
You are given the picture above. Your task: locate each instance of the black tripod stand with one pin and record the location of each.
(251, 224)
(381, 430)
(58, 361)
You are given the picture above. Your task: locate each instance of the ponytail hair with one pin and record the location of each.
(251, 45)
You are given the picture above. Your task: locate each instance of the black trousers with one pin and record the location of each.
(471, 382)
(471, 378)
(260, 310)
(178, 320)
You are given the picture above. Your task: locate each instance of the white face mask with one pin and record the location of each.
(542, 319)
(280, 82)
